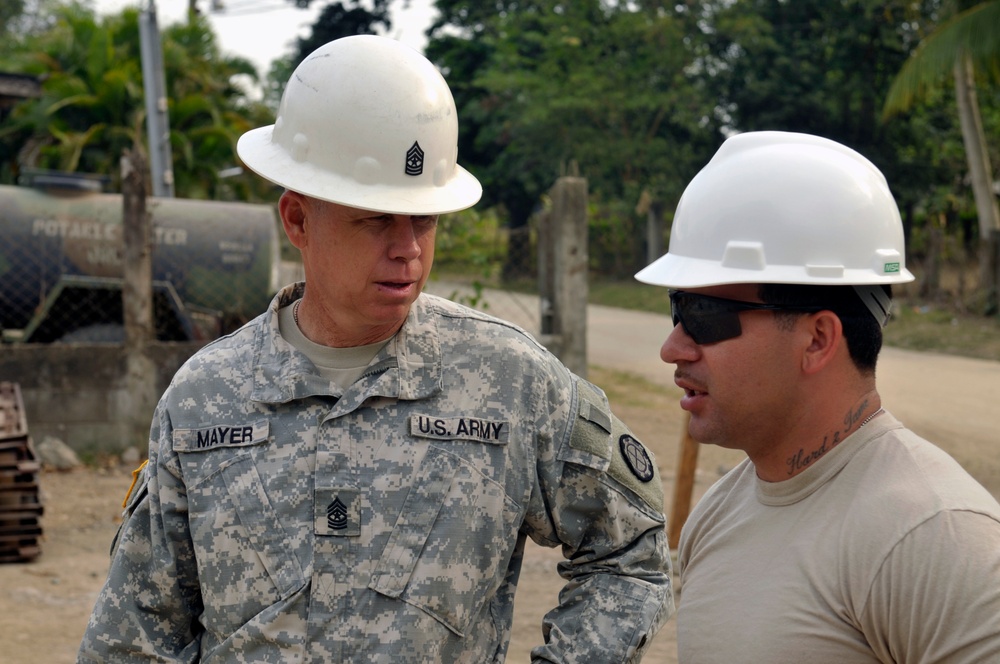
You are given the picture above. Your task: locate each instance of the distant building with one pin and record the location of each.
(15, 88)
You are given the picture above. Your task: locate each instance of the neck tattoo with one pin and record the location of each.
(803, 459)
(871, 417)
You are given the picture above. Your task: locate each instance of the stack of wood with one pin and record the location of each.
(20, 506)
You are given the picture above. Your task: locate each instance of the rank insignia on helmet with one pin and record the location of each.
(414, 160)
(636, 457)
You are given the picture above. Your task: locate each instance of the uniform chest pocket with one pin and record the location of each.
(241, 547)
(448, 551)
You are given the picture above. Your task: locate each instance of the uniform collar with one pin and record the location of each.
(408, 367)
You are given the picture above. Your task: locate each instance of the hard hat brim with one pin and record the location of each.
(687, 272)
(270, 161)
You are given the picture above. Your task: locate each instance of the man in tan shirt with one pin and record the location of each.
(843, 537)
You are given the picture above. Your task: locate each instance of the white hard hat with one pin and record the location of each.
(370, 123)
(779, 207)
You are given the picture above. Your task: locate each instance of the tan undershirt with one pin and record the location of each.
(343, 366)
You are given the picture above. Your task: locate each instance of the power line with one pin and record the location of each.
(221, 9)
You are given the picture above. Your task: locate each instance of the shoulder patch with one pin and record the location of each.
(636, 458)
(634, 466)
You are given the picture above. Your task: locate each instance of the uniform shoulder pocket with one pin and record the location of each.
(590, 437)
(601, 441)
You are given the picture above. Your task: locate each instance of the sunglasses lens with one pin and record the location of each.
(706, 320)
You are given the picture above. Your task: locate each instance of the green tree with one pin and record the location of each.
(10, 11)
(92, 106)
(338, 19)
(210, 109)
(20, 19)
(815, 66)
(542, 84)
(89, 95)
(967, 42)
(824, 67)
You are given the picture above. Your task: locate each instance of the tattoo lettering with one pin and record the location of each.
(854, 416)
(802, 459)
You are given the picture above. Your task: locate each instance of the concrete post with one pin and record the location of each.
(570, 263)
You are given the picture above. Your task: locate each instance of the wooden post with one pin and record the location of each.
(137, 257)
(687, 467)
(654, 232)
(137, 295)
(653, 210)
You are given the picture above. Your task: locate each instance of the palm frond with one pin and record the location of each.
(973, 31)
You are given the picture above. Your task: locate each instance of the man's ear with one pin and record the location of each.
(292, 208)
(826, 338)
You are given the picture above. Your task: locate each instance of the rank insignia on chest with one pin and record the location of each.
(338, 512)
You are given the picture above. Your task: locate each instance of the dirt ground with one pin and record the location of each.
(44, 604)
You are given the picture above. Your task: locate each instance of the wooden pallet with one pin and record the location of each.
(20, 507)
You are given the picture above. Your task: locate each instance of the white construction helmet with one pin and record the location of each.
(779, 207)
(370, 123)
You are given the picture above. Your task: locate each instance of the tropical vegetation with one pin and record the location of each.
(634, 96)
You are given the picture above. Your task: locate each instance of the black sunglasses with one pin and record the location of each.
(708, 319)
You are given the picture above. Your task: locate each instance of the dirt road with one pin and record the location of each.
(951, 401)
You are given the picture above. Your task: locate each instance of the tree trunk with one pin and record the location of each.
(518, 263)
(930, 284)
(981, 174)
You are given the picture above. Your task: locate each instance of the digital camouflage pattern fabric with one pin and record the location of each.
(283, 519)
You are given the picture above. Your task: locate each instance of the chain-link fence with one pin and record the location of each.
(481, 262)
(214, 265)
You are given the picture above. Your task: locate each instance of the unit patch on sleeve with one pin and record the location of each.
(635, 466)
(636, 458)
(460, 428)
(220, 435)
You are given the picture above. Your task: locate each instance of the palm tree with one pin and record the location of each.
(92, 107)
(88, 96)
(961, 46)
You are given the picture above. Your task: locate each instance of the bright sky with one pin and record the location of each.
(262, 30)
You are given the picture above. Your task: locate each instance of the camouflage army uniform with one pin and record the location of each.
(282, 519)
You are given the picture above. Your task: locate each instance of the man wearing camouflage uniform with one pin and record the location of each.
(352, 476)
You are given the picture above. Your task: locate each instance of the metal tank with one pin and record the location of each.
(215, 264)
